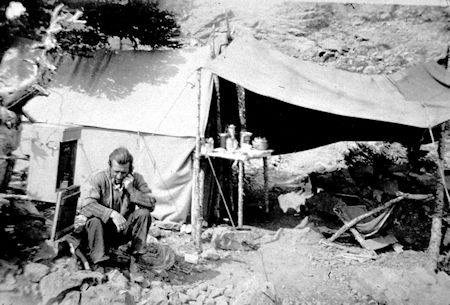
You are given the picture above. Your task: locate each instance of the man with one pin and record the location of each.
(117, 203)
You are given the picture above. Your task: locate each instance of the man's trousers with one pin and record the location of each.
(103, 236)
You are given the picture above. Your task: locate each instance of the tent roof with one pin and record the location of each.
(150, 92)
(257, 67)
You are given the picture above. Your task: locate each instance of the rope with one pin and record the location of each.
(220, 191)
(152, 159)
(174, 103)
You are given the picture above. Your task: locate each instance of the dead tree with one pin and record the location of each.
(16, 89)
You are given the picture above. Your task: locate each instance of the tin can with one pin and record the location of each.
(245, 137)
(223, 139)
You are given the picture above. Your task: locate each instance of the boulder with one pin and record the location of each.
(34, 272)
(157, 296)
(117, 279)
(55, 285)
(106, 294)
(72, 298)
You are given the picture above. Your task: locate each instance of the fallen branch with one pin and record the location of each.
(388, 204)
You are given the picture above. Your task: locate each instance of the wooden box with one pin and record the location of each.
(52, 161)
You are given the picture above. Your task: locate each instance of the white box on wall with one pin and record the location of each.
(52, 160)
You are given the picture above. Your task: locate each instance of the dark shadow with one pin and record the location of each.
(114, 75)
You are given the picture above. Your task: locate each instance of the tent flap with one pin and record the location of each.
(255, 66)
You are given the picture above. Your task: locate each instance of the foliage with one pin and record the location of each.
(378, 156)
(142, 23)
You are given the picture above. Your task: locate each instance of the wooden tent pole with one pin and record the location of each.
(241, 106)
(197, 204)
(436, 223)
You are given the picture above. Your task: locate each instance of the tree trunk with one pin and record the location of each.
(16, 90)
(436, 224)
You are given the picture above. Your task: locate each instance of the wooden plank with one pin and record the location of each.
(239, 155)
(65, 211)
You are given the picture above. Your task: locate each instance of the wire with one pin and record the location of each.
(152, 158)
(220, 191)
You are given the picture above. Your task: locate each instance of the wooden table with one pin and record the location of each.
(240, 157)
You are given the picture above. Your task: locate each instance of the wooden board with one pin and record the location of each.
(65, 211)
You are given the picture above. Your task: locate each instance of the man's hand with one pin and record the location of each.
(128, 182)
(119, 221)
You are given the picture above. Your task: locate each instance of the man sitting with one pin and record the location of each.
(117, 203)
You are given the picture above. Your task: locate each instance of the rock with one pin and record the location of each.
(228, 291)
(156, 284)
(191, 258)
(155, 232)
(183, 298)
(370, 70)
(151, 239)
(203, 287)
(157, 296)
(201, 298)
(207, 234)
(34, 272)
(216, 292)
(174, 299)
(135, 291)
(332, 44)
(9, 283)
(209, 301)
(117, 279)
(106, 295)
(72, 298)
(210, 254)
(192, 294)
(57, 283)
(227, 239)
(222, 300)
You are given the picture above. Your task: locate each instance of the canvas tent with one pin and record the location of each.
(299, 105)
(146, 101)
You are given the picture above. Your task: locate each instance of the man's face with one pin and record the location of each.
(119, 171)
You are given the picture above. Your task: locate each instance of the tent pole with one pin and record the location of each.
(436, 224)
(241, 105)
(197, 204)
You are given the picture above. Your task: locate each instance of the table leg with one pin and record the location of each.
(241, 194)
(266, 184)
